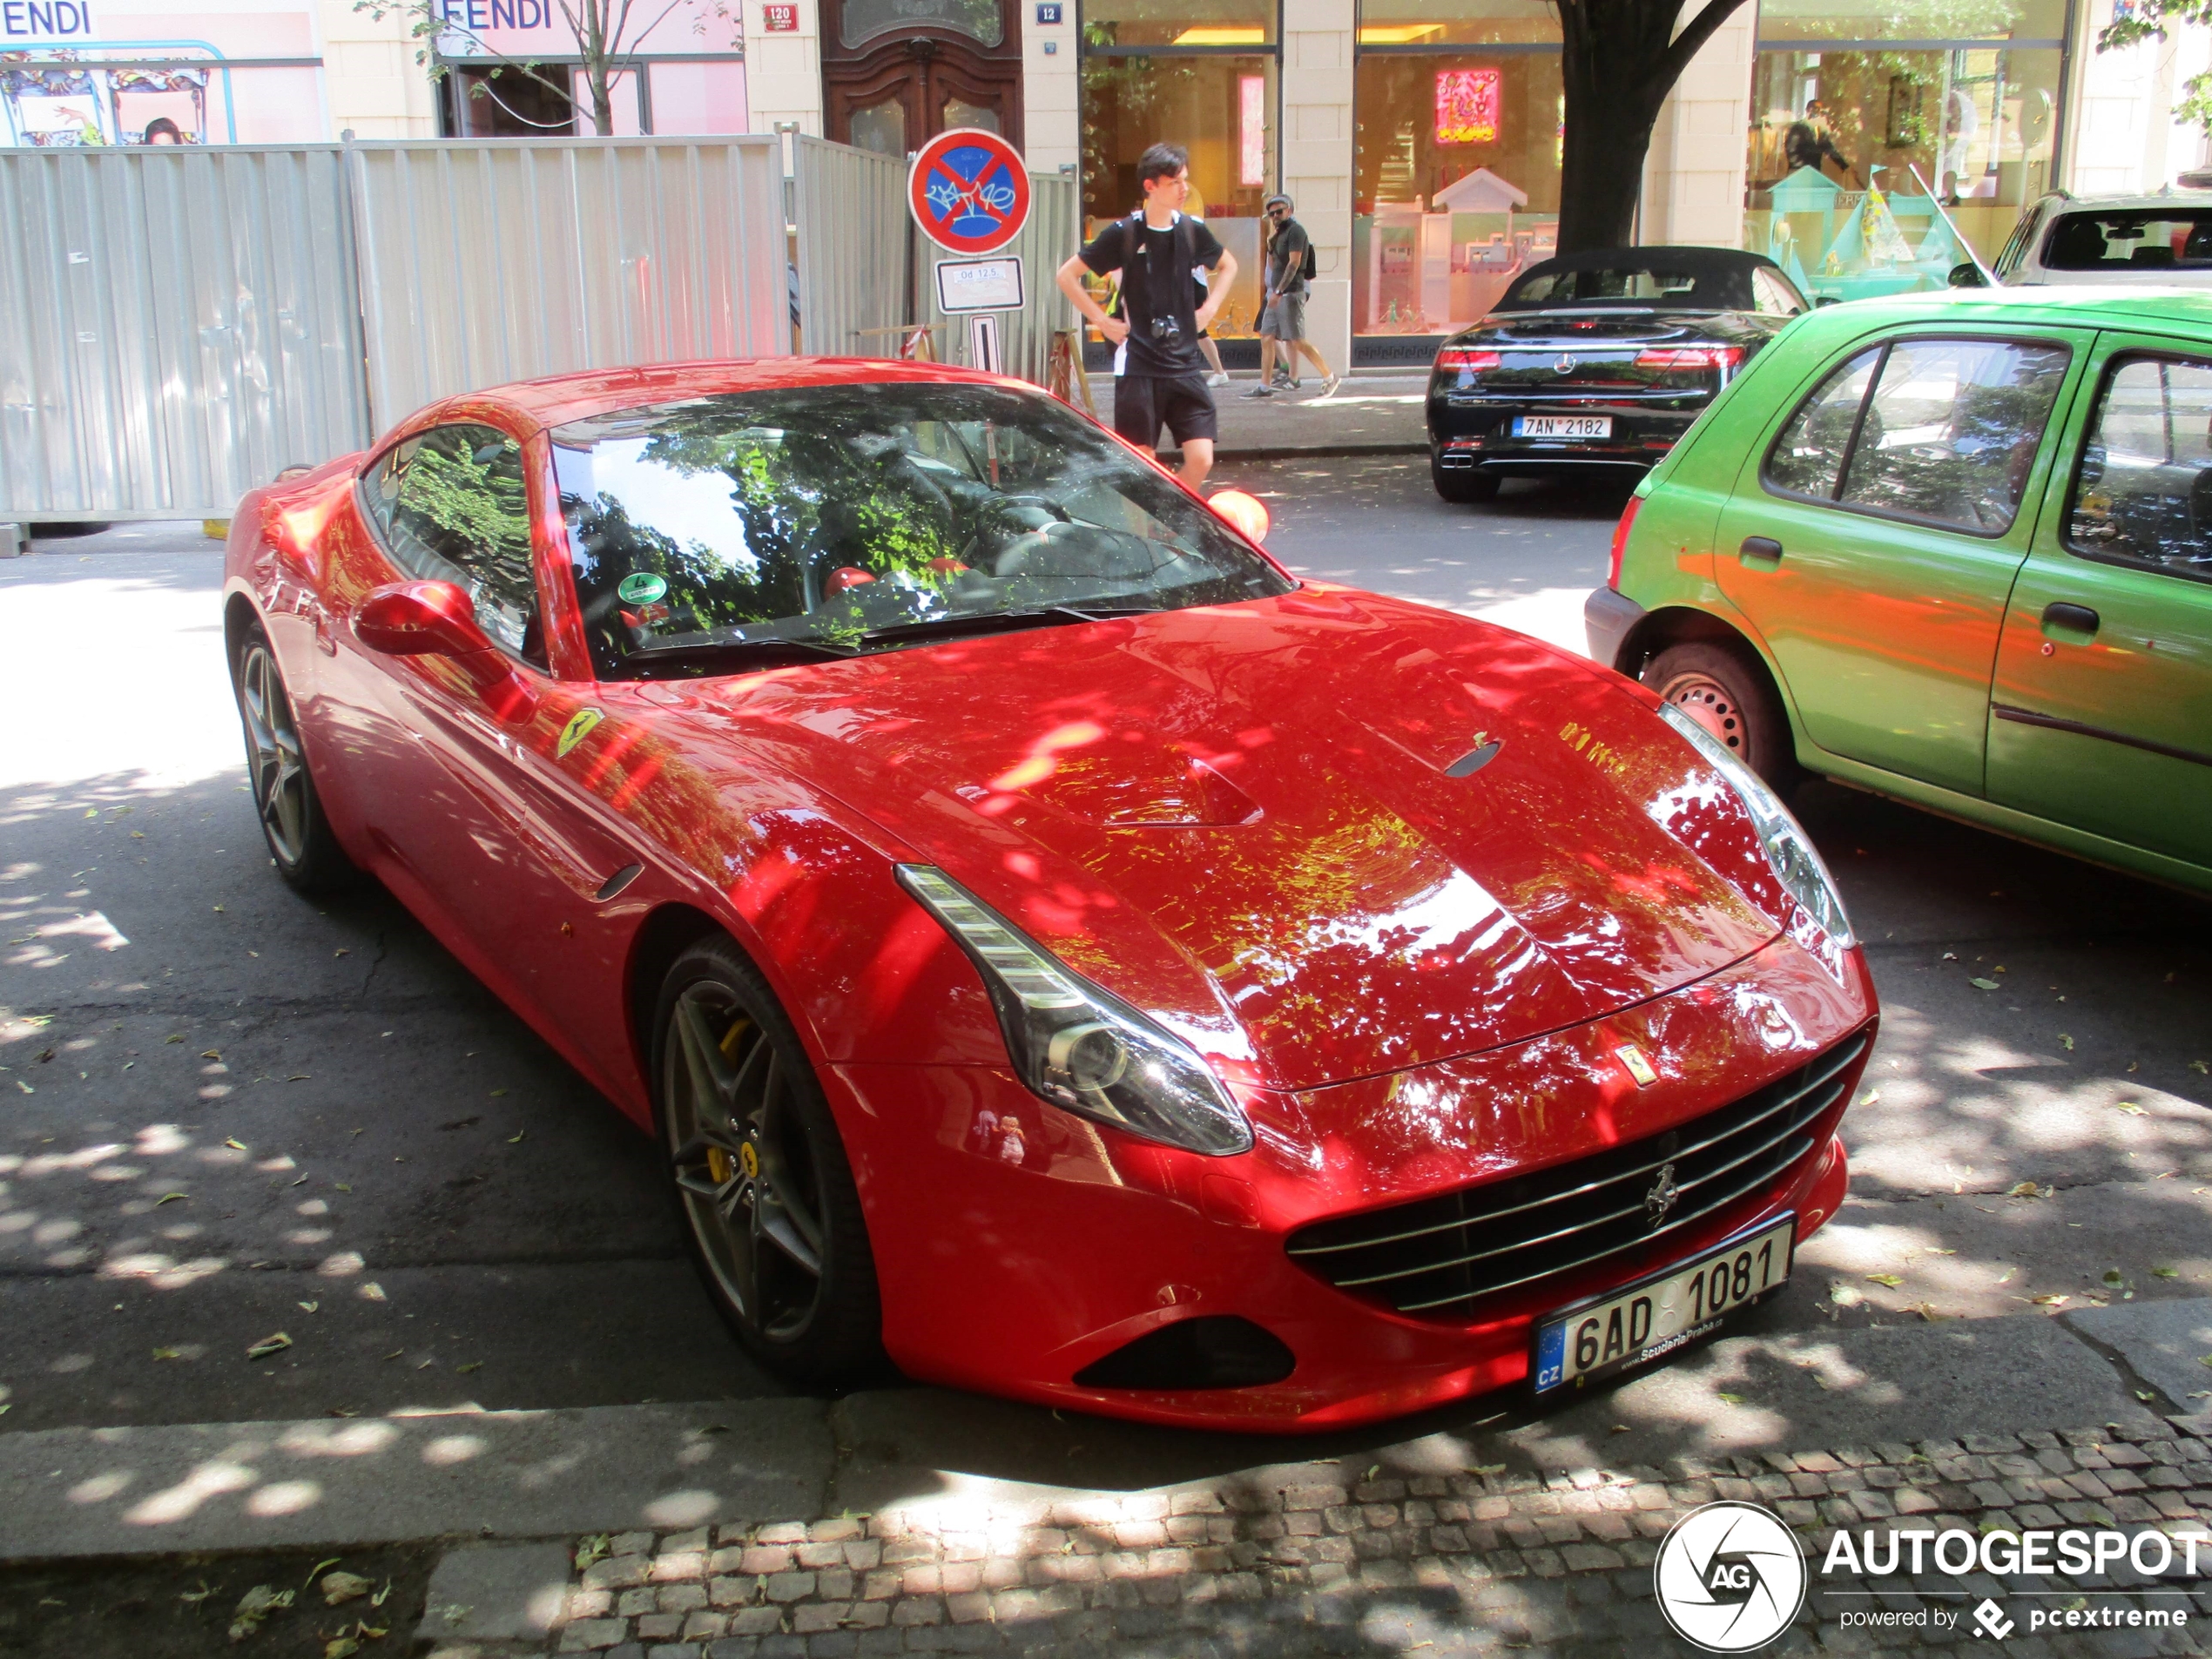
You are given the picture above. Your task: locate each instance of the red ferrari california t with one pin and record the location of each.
(1054, 948)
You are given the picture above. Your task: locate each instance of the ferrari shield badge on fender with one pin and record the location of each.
(579, 728)
(1631, 1057)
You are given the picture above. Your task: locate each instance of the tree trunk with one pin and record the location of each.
(1619, 60)
(603, 103)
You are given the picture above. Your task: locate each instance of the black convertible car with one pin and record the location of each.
(1598, 359)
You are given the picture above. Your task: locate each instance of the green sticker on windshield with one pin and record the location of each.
(641, 587)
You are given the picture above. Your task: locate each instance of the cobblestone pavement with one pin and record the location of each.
(1314, 1559)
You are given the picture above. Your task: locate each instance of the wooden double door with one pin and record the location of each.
(895, 73)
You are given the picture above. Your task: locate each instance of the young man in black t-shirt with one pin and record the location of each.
(1161, 377)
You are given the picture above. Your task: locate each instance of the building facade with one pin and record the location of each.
(1859, 142)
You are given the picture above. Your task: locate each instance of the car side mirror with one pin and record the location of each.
(1819, 299)
(1967, 275)
(420, 619)
(1244, 513)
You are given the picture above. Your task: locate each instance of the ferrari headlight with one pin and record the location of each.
(1796, 866)
(1077, 1045)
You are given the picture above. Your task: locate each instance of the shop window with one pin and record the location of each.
(1201, 73)
(1455, 169)
(1882, 138)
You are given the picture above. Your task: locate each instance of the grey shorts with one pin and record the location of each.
(1285, 317)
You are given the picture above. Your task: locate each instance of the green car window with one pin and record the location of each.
(450, 505)
(1809, 458)
(1953, 428)
(2143, 493)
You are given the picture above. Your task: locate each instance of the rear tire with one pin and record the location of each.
(301, 844)
(758, 1173)
(1734, 701)
(1462, 487)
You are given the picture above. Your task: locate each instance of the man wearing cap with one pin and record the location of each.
(1283, 313)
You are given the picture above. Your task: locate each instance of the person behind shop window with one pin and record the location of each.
(1281, 318)
(1160, 376)
(162, 130)
(1811, 143)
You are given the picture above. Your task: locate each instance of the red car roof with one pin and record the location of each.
(558, 399)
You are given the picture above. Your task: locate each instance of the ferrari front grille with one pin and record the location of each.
(1439, 1257)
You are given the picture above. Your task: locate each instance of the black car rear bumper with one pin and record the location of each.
(1478, 435)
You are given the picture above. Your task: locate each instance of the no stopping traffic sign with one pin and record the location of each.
(970, 191)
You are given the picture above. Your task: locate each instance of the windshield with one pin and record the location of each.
(1629, 282)
(2164, 240)
(842, 519)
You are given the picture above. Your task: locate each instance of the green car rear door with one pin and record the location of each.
(2100, 712)
(1873, 538)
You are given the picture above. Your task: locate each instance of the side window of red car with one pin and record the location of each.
(450, 505)
(2143, 494)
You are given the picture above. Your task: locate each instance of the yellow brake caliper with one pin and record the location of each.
(718, 1160)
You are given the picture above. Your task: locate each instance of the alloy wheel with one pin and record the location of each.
(744, 1168)
(280, 770)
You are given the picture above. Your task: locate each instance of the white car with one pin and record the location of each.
(2061, 239)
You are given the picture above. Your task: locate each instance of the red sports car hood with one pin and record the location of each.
(1246, 818)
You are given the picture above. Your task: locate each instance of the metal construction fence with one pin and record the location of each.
(854, 250)
(485, 261)
(176, 325)
(179, 323)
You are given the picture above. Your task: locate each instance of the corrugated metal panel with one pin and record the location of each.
(490, 260)
(850, 206)
(1054, 231)
(176, 325)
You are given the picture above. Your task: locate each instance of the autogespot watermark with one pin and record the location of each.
(1732, 1578)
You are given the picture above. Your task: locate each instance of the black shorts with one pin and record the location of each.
(1143, 405)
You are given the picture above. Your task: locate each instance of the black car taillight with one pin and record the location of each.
(1469, 358)
(1621, 541)
(1727, 359)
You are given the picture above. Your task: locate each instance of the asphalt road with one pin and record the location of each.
(227, 1114)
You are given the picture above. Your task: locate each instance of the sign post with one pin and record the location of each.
(969, 190)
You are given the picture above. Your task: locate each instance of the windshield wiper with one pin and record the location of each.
(732, 655)
(993, 622)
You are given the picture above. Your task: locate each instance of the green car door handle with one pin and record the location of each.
(2070, 624)
(1760, 552)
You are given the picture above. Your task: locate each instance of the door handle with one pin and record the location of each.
(1760, 552)
(2070, 623)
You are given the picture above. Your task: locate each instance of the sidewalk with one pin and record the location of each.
(1370, 414)
(911, 1521)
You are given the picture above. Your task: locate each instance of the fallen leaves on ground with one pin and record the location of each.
(1731, 1399)
(253, 1607)
(1890, 1279)
(592, 1549)
(2130, 1107)
(269, 1344)
(2166, 1272)
(339, 1588)
(1981, 984)
(2066, 1043)
(2028, 1189)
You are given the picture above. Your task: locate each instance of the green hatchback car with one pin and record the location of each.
(1955, 548)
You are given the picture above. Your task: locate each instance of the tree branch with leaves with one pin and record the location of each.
(2149, 20)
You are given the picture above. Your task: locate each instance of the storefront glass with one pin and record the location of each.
(1200, 73)
(1456, 161)
(1883, 136)
(687, 73)
(137, 71)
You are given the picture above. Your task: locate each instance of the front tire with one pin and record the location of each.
(1724, 694)
(1462, 486)
(301, 843)
(761, 1181)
